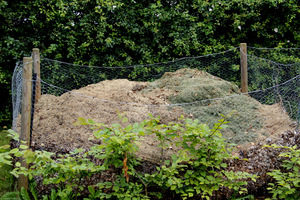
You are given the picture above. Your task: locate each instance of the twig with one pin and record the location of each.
(146, 191)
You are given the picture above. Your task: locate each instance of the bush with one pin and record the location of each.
(287, 185)
(199, 168)
(6, 180)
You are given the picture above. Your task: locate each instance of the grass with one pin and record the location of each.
(6, 179)
(243, 124)
(207, 94)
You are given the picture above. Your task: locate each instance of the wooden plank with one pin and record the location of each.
(36, 69)
(25, 115)
(244, 68)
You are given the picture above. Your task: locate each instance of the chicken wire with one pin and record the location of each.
(270, 107)
(17, 80)
(264, 73)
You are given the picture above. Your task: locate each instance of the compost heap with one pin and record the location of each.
(54, 117)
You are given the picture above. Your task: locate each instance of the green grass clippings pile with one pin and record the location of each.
(244, 124)
(203, 91)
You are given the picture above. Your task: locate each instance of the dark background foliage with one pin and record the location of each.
(126, 32)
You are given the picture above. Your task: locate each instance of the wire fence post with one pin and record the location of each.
(297, 129)
(25, 115)
(33, 100)
(36, 69)
(244, 68)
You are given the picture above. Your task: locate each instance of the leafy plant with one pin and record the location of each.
(121, 189)
(67, 171)
(20, 195)
(6, 180)
(287, 184)
(118, 143)
(199, 167)
(117, 150)
(248, 197)
(164, 133)
(31, 194)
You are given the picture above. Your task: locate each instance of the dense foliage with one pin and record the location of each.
(197, 170)
(6, 179)
(115, 32)
(288, 178)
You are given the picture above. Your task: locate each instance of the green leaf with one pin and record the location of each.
(23, 147)
(120, 141)
(33, 190)
(125, 119)
(91, 190)
(108, 183)
(97, 134)
(211, 178)
(170, 181)
(116, 188)
(141, 133)
(173, 187)
(14, 135)
(5, 146)
(91, 122)
(24, 194)
(10, 196)
(224, 165)
(13, 151)
(116, 125)
(135, 126)
(167, 162)
(80, 121)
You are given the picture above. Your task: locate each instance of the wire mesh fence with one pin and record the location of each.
(270, 67)
(265, 73)
(203, 88)
(71, 76)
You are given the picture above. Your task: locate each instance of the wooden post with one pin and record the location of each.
(244, 70)
(25, 115)
(37, 71)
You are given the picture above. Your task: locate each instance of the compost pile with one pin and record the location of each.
(54, 117)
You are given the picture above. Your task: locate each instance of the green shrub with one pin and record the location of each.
(287, 184)
(6, 179)
(199, 168)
